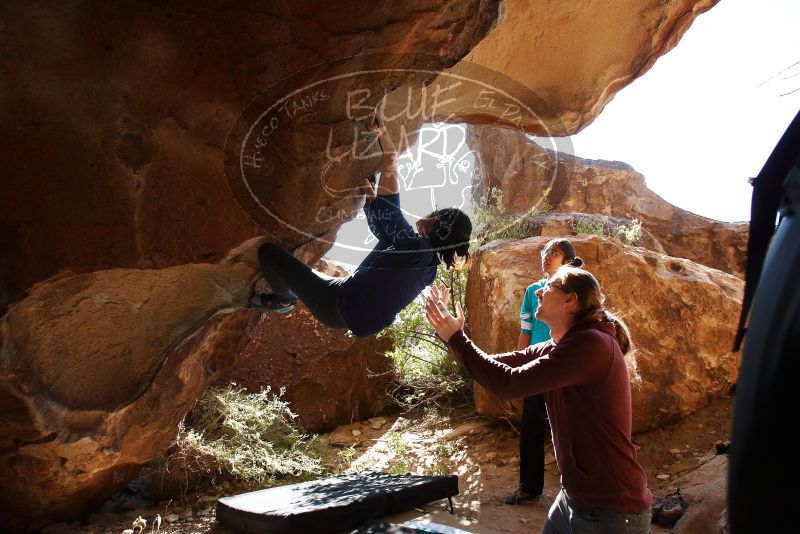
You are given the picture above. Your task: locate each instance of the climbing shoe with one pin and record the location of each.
(520, 496)
(271, 302)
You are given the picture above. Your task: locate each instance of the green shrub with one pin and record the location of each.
(601, 225)
(628, 234)
(396, 444)
(587, 226)
(427, 375)
(345, 458)
(491, 221)
(249, 439)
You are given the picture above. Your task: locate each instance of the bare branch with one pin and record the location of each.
(778, 74)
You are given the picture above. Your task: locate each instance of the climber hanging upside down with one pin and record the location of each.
(401, 265)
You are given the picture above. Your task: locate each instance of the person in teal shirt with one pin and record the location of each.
(536, 331)
(556, 253)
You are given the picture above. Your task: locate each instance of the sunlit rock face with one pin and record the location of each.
(569, 60)
(126, 129)
(529, 176)
(97, 371)
(706, 491)
(682, 317)
(115, 120)
(141, 143)
(329, 376)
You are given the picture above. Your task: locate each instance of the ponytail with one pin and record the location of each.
(590, 308)
(623, 335)
(575, 262)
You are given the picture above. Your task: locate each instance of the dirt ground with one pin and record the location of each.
(484, 455)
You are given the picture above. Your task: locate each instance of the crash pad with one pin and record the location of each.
(333, 504)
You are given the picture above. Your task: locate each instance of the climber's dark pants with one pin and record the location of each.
(285, 274)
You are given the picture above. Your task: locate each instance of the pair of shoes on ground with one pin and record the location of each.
(520, 496)
(271, 302)
(668, 509)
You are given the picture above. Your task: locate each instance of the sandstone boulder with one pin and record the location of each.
(682, 317)
(530, 176)
(98, 369)
(157, 137)
(329, 376)
(705, 490)
(568, 58)
(96, 372)
(115, 120)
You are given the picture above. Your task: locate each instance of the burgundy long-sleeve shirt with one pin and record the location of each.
(587, 390)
